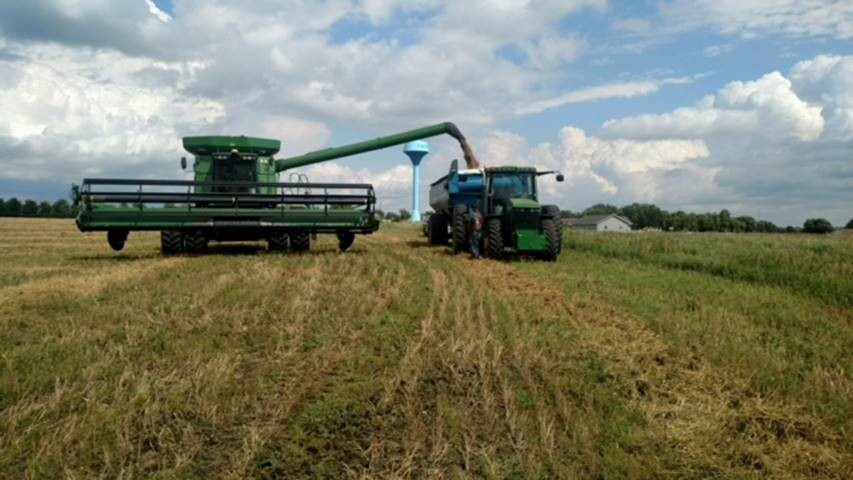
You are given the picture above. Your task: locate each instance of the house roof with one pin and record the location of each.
(591, 220)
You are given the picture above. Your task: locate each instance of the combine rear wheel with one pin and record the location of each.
(345, 240)
(171, 242)
(494, 238)
(553, 239)
(195, 242)
(278, 242)
(300, 241)
(460, 228)
(116, 239)
(437, 229)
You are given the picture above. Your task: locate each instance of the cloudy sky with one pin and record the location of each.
(690, 104)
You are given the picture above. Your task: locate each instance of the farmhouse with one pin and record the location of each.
(602, 223)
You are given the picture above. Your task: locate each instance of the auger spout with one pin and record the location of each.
(380, 143)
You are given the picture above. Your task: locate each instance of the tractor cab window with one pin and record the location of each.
(513, 185)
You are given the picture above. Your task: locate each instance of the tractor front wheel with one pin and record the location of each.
(494, 238)
(460, 229)
(171, 242)
(300, 241)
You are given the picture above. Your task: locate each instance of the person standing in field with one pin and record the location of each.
(476, 233)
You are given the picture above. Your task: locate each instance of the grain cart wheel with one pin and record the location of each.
(494, 238)
(195, 242)
(460, 228)
(300, 241)
(553, 239)
(345, 240)
(437, 229)
(116, 239)
(171, 242)
(278, 242)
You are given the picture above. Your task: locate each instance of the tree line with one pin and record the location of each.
(647, 215)
(30, 208)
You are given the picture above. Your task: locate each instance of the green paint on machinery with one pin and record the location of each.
(507, 198)
(236, 195)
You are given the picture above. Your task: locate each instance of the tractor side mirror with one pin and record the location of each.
(560, 177)
(183, 163)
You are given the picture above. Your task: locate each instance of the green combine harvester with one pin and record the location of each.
(236, 196)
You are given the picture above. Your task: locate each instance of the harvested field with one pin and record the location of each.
(634, 356)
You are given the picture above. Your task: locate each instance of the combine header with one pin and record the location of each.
(236, 196)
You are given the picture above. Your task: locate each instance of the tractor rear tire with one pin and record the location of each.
(437, 229)
(494, 238)
(195, 242)
(171, 242)
(300, 241)
(460, 229)
(278, 242)
(116, 239)
(553, 239)
(553, 211)
(345, 240)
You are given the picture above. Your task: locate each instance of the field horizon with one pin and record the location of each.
(652, 355)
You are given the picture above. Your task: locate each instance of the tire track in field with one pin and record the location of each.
(713, 419)
(294, 392)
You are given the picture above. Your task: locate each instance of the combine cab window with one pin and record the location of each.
(235, 168)
(515, 185)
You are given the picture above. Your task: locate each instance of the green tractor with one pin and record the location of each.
(507, 198)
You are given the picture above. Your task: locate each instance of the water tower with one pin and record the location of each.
(416, 151)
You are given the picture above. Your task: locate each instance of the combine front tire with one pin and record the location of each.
(278, 242)
(553, 239)
(494, 238)
(171, 242)
(345, 240)
(195, 242)
(300, 241)
(116, 239)
(460, 228)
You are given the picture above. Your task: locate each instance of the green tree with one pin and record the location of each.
(45, 209)
(849, 224)
(725, 220)
(30, 208)
(817, 225)
(13, 207)
(643, 215)
(601, 209)
(747, 222)
(380, 214)
(61, 208)
(2, 207)
(404, 214)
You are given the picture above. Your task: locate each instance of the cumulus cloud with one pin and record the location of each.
(767, 106)
(608, 170)
(91, 125)
(779, 144)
